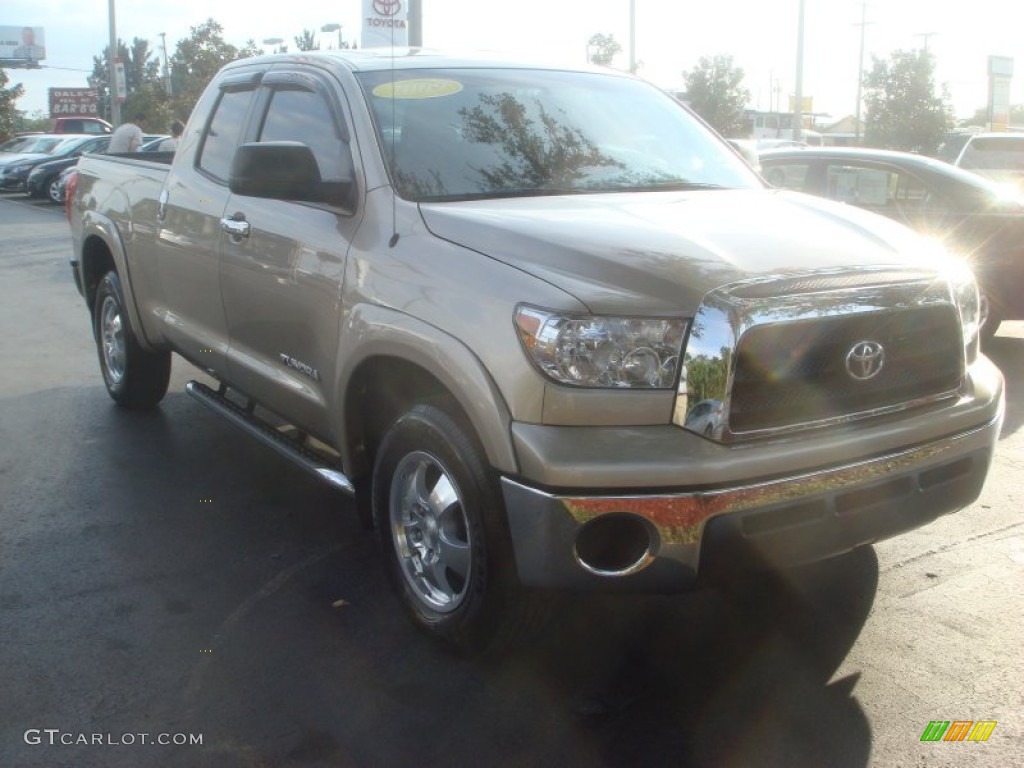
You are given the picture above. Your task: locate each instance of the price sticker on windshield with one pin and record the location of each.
(421, 88)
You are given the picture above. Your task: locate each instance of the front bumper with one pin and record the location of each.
(665, 541)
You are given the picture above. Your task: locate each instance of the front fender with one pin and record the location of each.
(373, 331)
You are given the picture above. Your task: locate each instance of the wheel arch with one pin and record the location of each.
(400, 362)
(102, 251)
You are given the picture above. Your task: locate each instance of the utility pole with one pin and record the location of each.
(115, 106)
(926, 35)
(860, 66)
(632, 37)
(415, 23)
(798, 117)
(167, 69)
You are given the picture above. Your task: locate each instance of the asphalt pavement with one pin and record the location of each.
(163, 578)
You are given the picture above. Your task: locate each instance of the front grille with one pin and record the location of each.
(793, 373)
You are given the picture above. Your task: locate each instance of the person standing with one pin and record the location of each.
(171, 144)
(128, 136)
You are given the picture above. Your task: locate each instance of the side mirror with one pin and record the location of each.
(284, 170)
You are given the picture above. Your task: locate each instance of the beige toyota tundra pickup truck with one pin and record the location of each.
(546, 327)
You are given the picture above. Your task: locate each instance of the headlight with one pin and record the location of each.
(965, 295)
(605, 352)
(18, 171)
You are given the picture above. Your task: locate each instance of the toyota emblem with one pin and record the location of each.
(387, 7)
(865, 360)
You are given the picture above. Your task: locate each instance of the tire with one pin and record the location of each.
(53, 191)
(440, 518)
(134, 377)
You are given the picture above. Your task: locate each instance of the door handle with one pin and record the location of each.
(236, 226)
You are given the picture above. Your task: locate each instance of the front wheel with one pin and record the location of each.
(440, 517)
(134, 377)
(53, 191)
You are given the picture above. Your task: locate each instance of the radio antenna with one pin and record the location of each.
(394, 169)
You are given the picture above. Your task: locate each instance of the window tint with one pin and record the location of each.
(860, 186)
(305, 116)
(462, 134)
(888, 191)
(788, 175)
(225, 130)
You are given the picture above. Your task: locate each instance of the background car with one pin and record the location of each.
(40, 144)
(971, 214)
(705, 417)
(997, 156)
(15, 171)
(43, 179)
(91, 125)
(13, 143)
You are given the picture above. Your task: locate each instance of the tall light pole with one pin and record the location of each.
(860, 69)
(167, 69)
(333, 28)
(798, 117)
(115, 106)
(632, 36)
(415, 23)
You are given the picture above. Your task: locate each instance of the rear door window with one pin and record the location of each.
(224, 133)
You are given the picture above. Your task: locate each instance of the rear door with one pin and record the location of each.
(282, 273)
(189, 232)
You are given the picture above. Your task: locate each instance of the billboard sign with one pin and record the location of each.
(385, 24)
(73, 102)
(22, 43)
(1000, 73)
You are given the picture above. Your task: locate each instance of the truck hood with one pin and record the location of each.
(661, 252)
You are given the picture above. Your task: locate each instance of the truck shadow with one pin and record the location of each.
(184, 534)
(716, 678)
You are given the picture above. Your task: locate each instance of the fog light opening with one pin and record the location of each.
(615, 545)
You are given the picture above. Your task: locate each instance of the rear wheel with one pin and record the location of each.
(439, 514)
(134, 377)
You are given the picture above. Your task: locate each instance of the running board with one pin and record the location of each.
(290, 449)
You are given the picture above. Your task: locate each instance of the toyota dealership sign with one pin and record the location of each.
(385, 23)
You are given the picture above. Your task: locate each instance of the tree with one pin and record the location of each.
(8, 112)
(601, 49)
(307, 41)
(197, 59)
(714, 90)
(145, 90)
(903, 110)
(980, 117)
(38, 120)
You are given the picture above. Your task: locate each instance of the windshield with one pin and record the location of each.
(44, 145)
(463, 134)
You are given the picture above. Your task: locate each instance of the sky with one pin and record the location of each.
(671, 37)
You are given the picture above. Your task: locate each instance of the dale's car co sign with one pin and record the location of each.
(73, 102)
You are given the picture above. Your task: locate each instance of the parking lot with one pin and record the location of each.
(163, 576)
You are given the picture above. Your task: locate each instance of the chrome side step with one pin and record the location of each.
(290, 449)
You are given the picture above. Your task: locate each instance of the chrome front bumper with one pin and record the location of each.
(782, 521)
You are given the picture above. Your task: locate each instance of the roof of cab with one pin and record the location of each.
(380, 59)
